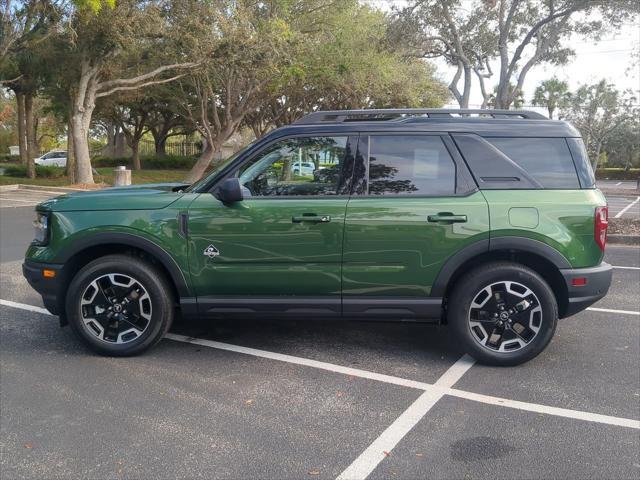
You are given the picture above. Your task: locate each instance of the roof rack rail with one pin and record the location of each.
(338, 116)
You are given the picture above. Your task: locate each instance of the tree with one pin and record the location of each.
(598, 110)
(247, 44)
(131, 116)
(24, 29)
(107, 49)
(344, 62)
(531, 32)
(462, 36)
(552, 94)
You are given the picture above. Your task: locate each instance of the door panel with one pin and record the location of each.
(391, 248)
(262, 251)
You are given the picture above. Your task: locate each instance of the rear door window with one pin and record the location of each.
(410, 165)
(548, 160)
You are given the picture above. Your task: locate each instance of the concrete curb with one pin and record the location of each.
(624, 239)
(620, 192)
(42, 188)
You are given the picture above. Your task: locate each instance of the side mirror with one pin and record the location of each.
(230, 191)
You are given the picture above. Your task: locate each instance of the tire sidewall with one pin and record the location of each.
(148, 277)
(466, 291)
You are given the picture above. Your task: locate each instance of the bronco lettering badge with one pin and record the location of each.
(211, 251)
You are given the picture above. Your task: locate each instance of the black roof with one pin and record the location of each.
(486, 123)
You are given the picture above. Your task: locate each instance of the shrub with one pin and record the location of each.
(149, 162)
(6, 158)
(41, 171)
(617, 174)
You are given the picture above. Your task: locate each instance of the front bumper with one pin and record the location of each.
(597, 281)
(49, 288)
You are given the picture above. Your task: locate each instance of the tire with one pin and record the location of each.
(127, 298)
(502, 288)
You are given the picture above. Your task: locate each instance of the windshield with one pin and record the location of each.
(213, 173)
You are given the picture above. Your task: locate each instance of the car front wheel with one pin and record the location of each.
(119, 305)
(503, 313)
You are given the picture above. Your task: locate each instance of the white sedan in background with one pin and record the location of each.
(54, 158)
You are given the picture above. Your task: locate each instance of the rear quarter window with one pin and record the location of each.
(548, 160)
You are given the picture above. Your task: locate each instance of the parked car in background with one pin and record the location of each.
(304, 169)
(54, 158)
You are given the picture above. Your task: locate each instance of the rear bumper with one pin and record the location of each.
(598, 280)
(48, 288)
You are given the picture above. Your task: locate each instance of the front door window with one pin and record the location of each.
(301, 166)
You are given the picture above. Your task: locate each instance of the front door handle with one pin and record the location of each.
(447, 217)
(311, 218)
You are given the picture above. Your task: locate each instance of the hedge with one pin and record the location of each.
(617, 174)
(41, 171)
(152, 162)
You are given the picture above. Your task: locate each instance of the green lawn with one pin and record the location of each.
(105, 175)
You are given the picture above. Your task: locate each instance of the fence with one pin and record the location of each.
(183, 149)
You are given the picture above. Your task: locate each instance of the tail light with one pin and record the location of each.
(600, 226)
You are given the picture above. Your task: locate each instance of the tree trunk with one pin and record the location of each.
(161, 145)
(71, 158)
(203, 162)
(30, 133)
(135, 153)
(22, 137)
(80, 131)
(597, 159)
(551, 110)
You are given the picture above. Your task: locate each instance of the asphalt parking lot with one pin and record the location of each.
(315, 399)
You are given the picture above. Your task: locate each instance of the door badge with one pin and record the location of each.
(211, 252)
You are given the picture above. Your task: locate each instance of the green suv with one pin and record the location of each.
(488, 221)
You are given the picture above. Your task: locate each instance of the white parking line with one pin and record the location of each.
(626, 268)
(24, 306)
(619, 183)
(443, 388)
(609, 310)
(624, 210)
(368, 460)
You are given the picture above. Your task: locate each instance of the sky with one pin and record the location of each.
(611, 59)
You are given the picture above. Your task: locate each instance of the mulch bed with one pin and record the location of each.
(624, 226)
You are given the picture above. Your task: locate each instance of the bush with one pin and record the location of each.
(617, 174)
(149, 162)
(6, 158)
(41, 171)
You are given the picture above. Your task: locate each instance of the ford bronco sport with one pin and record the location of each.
(487, 221)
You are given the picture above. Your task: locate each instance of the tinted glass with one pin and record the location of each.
(548, 160)
(410, 164)
(582, 163)
(297, 166)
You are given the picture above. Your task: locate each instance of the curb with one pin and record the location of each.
(624, 239)
(620, 192)
(42, 188)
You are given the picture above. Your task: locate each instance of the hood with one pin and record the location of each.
(150, 196)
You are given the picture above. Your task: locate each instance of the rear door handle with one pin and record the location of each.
(447, 217)
(311, 218)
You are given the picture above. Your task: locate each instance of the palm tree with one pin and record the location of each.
(553, 94)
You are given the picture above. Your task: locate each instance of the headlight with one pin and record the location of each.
(41, 227)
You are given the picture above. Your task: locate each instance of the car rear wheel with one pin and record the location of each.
(119, 305)
(503, 313)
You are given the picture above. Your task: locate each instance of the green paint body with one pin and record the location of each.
(378, 246)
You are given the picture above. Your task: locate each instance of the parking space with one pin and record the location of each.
(623, 207)
(623, 184)
(316, 399)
